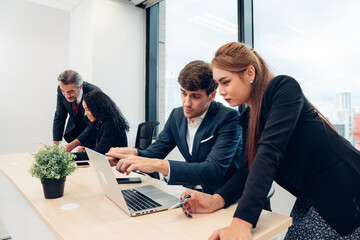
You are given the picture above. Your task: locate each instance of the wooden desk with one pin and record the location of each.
(28, 215)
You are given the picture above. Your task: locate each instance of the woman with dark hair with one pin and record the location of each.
(112, 124)
(287, 140)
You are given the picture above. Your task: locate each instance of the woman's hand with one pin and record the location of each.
(238, 230)
(81, 149)
(70, 146)
(201, 203)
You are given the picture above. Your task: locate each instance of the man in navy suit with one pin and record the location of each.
(70, 93)
(205, 132)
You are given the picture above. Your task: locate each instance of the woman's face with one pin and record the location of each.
(235, 88)
(87, 113)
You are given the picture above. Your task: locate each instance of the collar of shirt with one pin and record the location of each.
(192, 127)
(79, 97)
(197, 120)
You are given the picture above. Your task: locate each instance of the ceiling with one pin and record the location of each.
(66, 5)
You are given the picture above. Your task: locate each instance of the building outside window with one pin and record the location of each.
(190, 30)
(317, 43)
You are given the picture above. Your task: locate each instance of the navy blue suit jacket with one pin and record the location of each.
(216, 148)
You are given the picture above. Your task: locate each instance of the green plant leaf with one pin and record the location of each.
(52, 162)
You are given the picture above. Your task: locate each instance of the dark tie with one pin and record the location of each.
(75, 106)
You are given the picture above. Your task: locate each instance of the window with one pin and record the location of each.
(316, 42)
(190, 30)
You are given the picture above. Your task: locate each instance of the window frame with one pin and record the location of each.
(245, 35)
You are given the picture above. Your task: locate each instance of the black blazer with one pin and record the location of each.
(107, 136)
(303, 155)
(77, 123)
(216, 149)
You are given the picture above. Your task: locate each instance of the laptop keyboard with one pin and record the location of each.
(138, 201)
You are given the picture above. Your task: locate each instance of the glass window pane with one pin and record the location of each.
(190, 30)
(316, 42)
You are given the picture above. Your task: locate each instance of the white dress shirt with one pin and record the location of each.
(79, 97)
(192, 127)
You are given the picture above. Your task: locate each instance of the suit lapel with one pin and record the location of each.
(71, 110)
(182, 135)
(69, 107)
(81, 110)
(201, 131)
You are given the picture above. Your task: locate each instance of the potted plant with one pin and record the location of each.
(52, 164)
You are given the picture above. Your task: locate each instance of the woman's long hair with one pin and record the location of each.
(103, 108)
(236, 58)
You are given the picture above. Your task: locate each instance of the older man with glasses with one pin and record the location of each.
(70, 92)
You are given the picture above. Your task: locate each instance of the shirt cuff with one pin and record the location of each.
(167, 178)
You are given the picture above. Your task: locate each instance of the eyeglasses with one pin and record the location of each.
(69, 92)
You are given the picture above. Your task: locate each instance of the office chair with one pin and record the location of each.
(145, 134)
(144, 139)
(271, 192)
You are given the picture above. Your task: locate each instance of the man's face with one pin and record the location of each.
(195, 103)
(70, 91)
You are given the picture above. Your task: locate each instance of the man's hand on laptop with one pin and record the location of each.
(123, 150)
(129, 163)
(113, 152)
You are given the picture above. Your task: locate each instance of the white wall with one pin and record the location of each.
(81, 39)
(34, 48)
(119, 58)
(101, 39)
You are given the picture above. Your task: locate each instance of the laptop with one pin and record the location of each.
(133, 201)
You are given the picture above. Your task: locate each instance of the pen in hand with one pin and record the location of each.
(178, 204)
(186, 198)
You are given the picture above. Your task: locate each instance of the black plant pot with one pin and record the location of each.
(53, 188)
